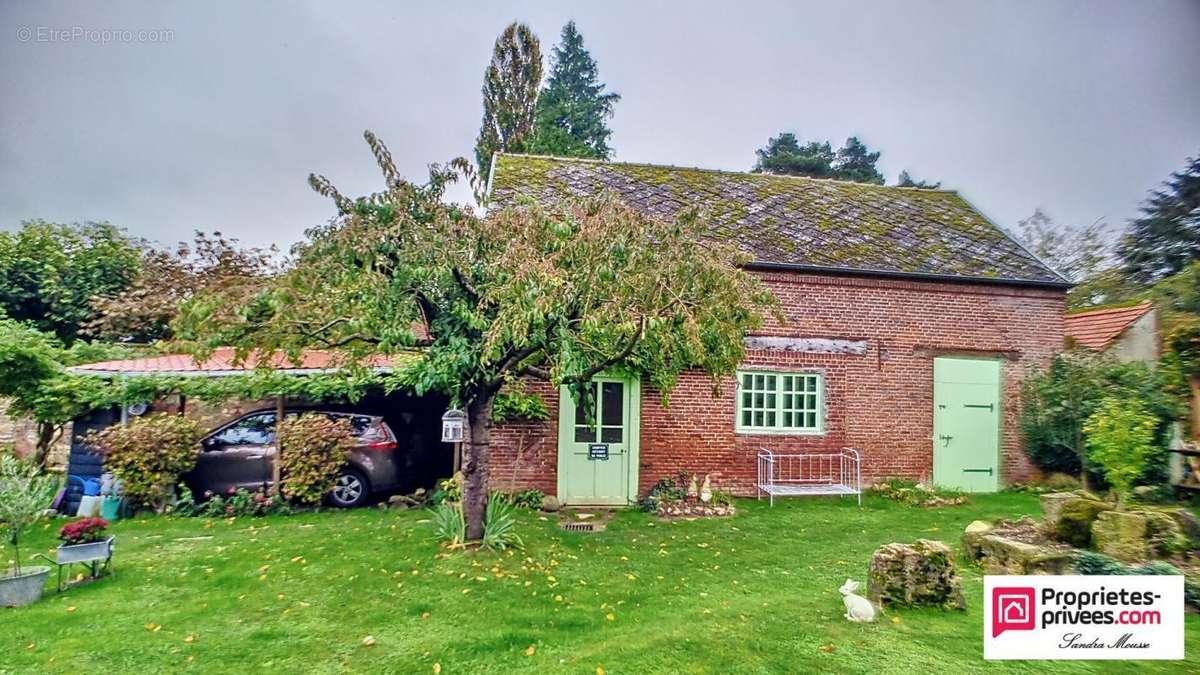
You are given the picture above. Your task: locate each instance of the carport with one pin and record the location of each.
(415, 420)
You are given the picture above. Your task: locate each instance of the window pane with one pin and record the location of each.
(747, 381)
(811, 420)
(746, 399)
(810, 402)
(746, 418)
(787, 419)
(611, 434)
(758, 400)
(612, 405)
(770, 383)
(770, 418)
(758, 418)
(770, 401)
(585, 434)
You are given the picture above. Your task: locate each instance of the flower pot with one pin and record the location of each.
(93, 551)
(26, 589)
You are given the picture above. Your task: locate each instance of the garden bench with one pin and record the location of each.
(802, 474)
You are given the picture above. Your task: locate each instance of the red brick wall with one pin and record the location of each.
(880, 403)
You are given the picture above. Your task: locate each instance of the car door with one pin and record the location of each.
(235, 457)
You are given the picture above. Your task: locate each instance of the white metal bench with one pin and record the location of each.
(798, 475)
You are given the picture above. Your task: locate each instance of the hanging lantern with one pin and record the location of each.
(454, 423)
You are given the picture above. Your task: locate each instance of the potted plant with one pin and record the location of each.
(83, 541)
(25, 494)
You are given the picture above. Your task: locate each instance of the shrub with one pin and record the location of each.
(1091, 563)
(524, 499)
(314, 450)
(499, 525)
(83, 531)
(1120, 439)
(1059, 400)
(236, 503)
(448, 490)
(449, 525)
(25, 493)
(149, 454)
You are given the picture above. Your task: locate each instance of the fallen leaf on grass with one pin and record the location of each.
(827, 649)
(424, 615)
(153, 627)
(71, 608)
(437, 668)
(611, 616)
(530, 650)
(190, 639)
(369, 641)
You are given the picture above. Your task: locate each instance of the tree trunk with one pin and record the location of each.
(475, 463)
(46, 435)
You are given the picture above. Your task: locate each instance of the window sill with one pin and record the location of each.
(778, 432)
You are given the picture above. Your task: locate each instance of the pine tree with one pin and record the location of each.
(785, 156)
(510, 93)
(573, 107)
(906, 180)
(1166, 238)
(855, 162)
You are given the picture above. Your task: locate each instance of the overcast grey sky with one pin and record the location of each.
(1076, 107)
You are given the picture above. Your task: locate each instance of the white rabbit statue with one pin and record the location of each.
(858, 608)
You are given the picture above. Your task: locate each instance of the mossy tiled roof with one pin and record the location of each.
(796, 221)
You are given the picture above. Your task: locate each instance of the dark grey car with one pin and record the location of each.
(241, 454)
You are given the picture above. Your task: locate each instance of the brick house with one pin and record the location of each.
(911, 322)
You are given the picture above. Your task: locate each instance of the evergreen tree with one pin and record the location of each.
(785, 156)
(573, 106)
(1166, 238)
(906, 180)
(510, 92)
(855, 162)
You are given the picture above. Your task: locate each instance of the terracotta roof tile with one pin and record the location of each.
(1097, 329)
(794, 220)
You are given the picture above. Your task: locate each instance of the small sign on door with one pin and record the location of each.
(598, 451)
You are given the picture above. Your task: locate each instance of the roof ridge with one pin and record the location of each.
(677, 167)
(1095, 311)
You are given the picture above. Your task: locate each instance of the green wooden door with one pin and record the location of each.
(598, 453)
(966, 424)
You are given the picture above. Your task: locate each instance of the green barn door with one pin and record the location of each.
(966, 424)
(598, 453)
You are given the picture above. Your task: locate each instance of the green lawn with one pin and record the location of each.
(754, 594)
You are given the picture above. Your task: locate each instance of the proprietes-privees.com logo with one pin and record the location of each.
(1082, 617)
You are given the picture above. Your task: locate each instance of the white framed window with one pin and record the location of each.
(773, 402)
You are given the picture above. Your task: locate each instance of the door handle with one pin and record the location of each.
(255, 456)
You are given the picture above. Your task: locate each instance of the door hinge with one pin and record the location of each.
(990, 406)
(988, 471)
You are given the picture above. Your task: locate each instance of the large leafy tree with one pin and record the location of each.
(167, 278)
(36, 383)
(573, 107)
(1166, 237)
(558, 292)
(50, 272)
(510, 93)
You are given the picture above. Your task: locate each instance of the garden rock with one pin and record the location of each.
(1075, 517)
(1135, 536)
(1121, 535)
(1015, 547)
(973, 536)
(550, 504)
(918, 574)
(1052, 504)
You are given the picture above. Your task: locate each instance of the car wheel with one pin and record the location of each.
(350, 489)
